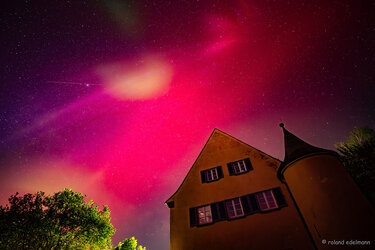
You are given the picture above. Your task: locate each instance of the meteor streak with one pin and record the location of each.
(75, 83)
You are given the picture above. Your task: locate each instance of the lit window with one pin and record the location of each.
(266, 200)
(204, 215)
(234, 208)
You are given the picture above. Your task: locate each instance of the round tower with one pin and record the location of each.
(334, 210)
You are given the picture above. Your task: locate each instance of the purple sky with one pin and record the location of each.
(115, 99)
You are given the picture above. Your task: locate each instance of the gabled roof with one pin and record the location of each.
(203, 149)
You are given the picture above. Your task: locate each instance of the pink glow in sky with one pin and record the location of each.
(149, 77)
(130, 141)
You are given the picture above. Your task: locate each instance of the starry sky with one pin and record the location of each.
(115, 99)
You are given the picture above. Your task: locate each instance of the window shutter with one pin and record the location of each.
(230, 168)
(222, 210)
(253, 203)
(203, 176)
(219, 172)
(279, 197)
(214, 212)
(193, 216)
(248, 164)
(245, 204)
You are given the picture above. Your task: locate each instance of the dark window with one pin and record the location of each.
(239, 167)
(212, 174)
(234, 208)
(266, 200)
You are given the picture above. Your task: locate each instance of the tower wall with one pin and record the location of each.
(330, 202)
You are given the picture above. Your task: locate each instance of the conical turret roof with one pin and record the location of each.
(296, 148)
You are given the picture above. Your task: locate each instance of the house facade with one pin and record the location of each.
(237, 197)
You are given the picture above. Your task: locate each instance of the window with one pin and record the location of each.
(212, 174)
(234, 208)
(239, 167)
(266, 200)
(204, 215)
(238, 207)
(208, 214)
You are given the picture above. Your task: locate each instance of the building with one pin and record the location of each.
(237, 197)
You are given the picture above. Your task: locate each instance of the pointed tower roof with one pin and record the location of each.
(296, 148)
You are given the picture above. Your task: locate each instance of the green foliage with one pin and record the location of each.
(129, 244)
(60, 221)
(358, 157)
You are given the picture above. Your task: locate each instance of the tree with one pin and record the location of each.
(129, 244)
(357, 154)
(60, 221)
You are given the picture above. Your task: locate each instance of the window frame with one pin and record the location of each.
(211, 171)
(212, 174)
(267, 201)
(239, 167)
(207, 215)
(231, 202)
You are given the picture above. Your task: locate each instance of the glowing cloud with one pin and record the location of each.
(52, 175)
(143, 79)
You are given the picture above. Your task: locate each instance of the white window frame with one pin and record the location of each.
(204, 215)
(211, 175)
(268, 200)
(241, 168)
(231, 206)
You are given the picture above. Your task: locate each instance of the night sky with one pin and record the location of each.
(115, 99)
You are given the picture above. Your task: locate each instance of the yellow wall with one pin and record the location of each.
(331, 203)
(279, 229)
